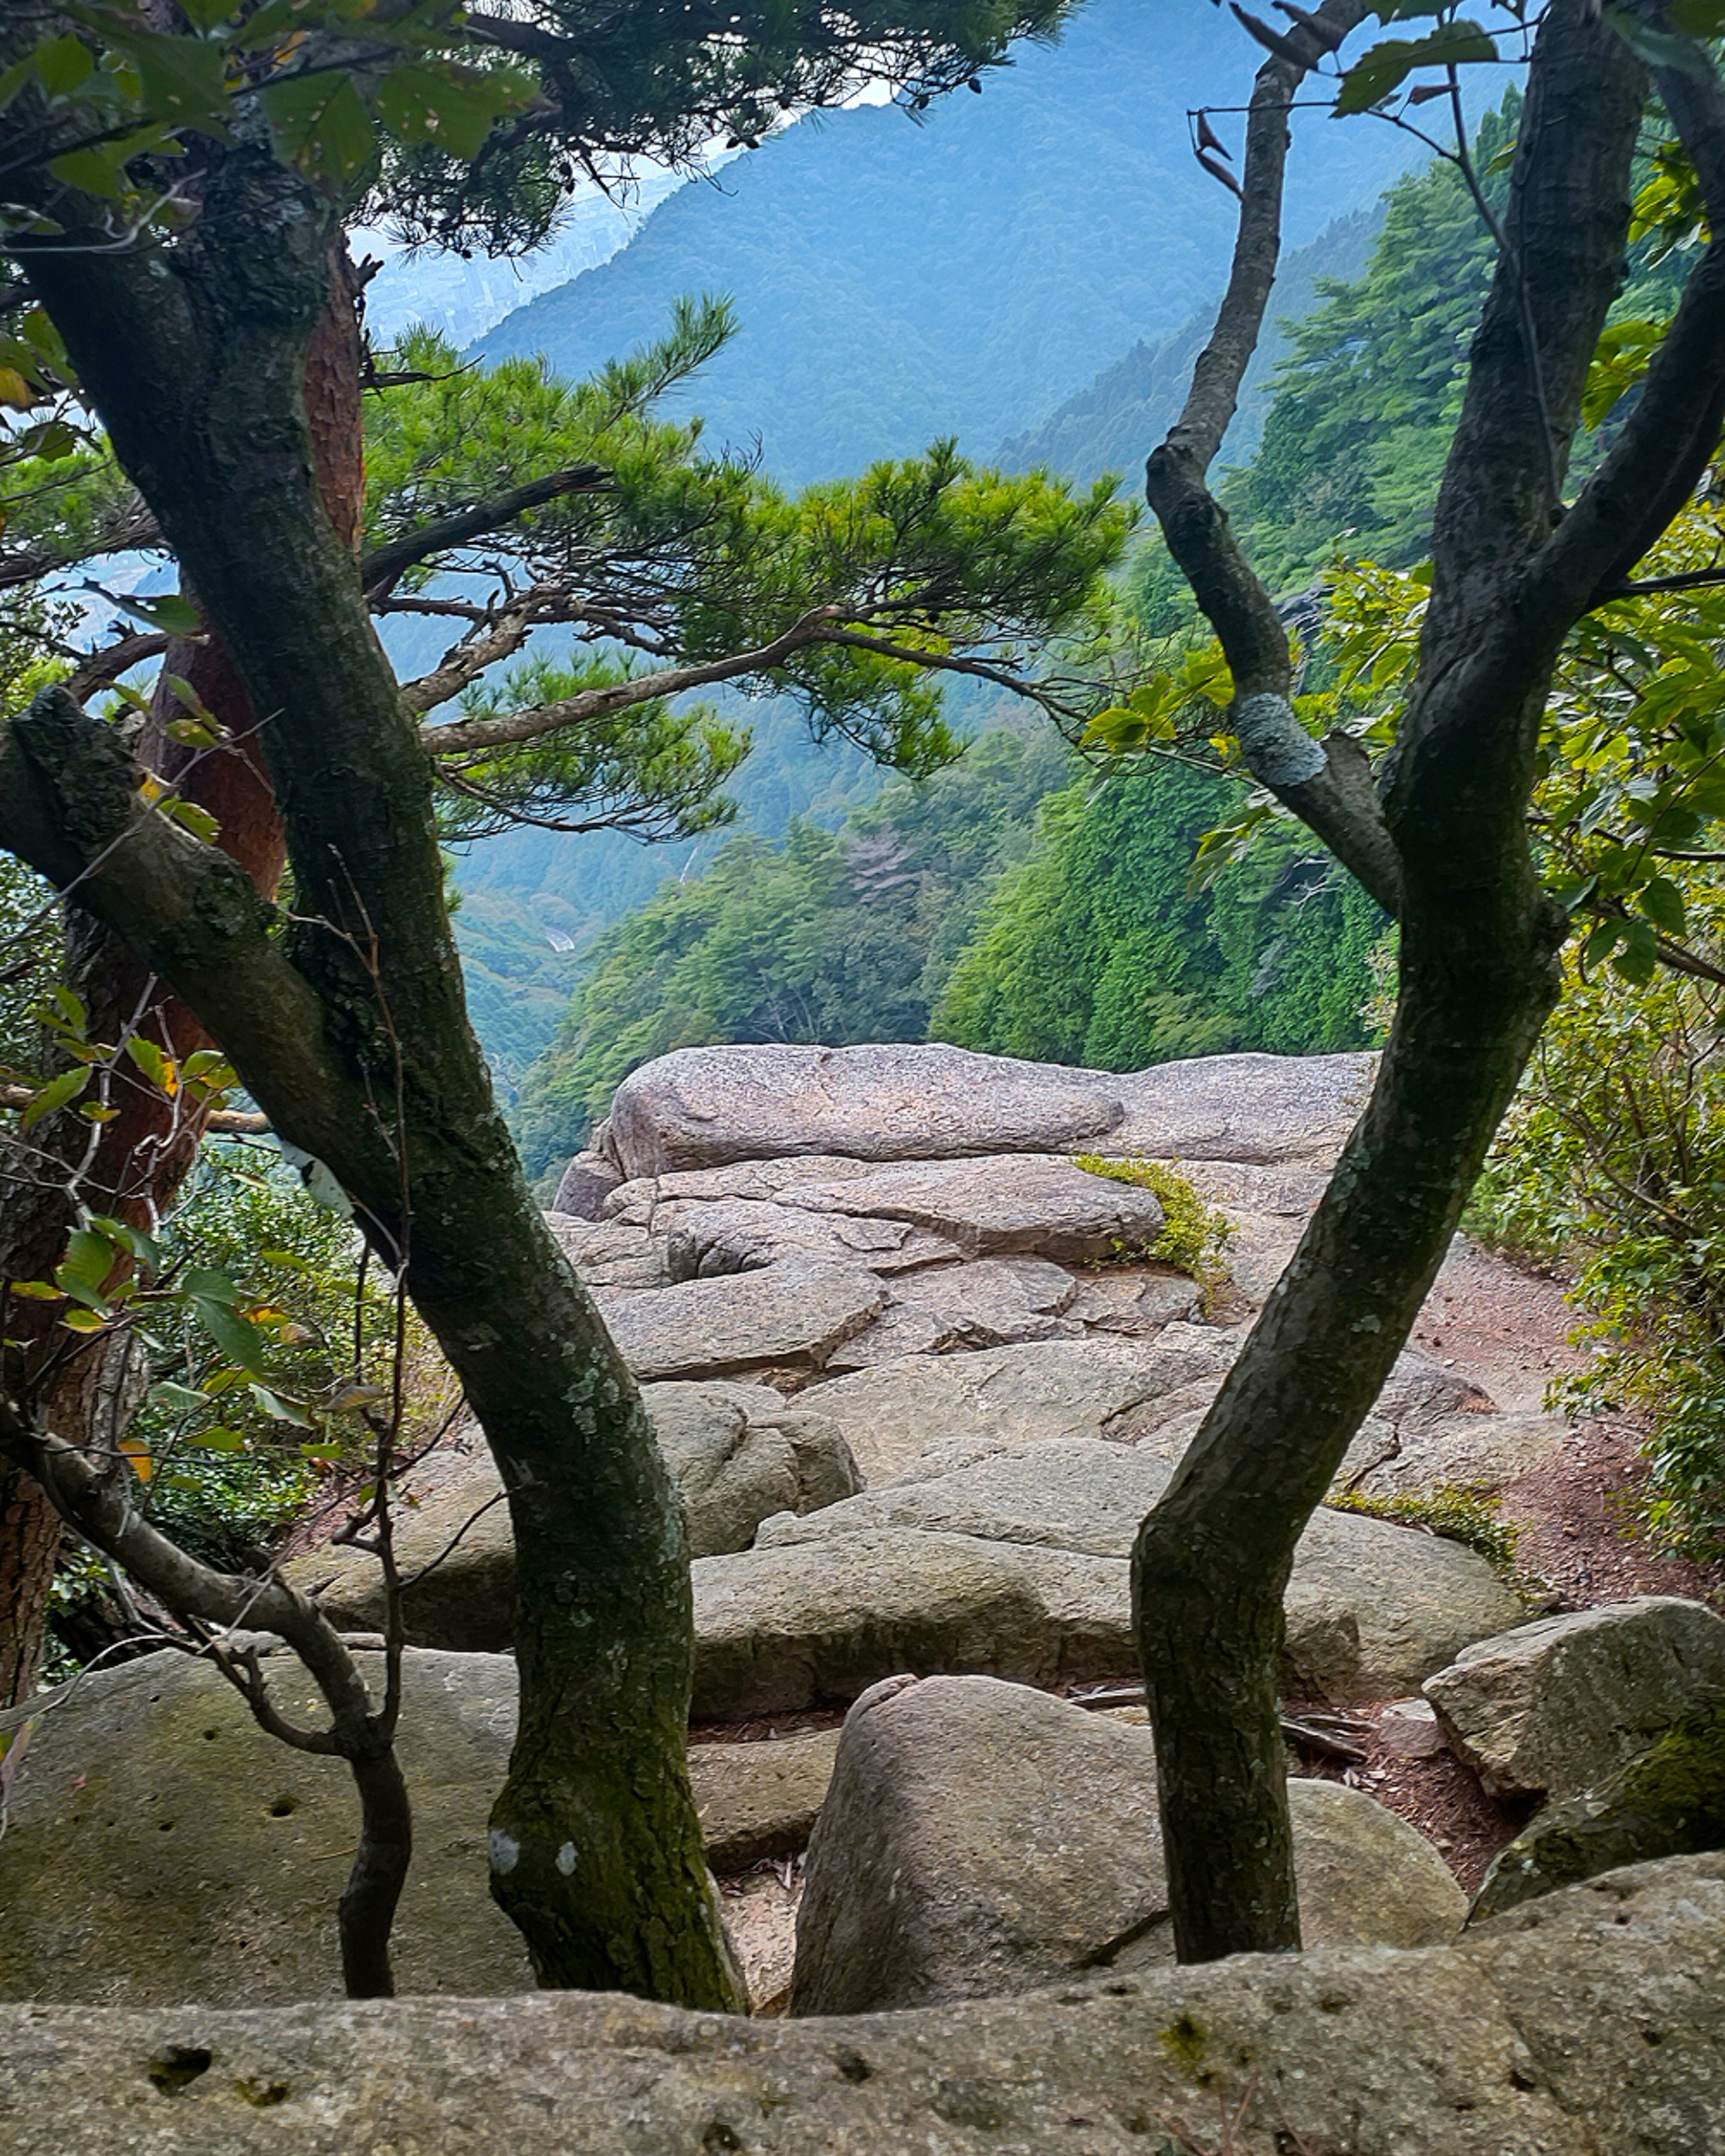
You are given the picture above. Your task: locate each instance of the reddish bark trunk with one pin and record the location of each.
(140, 1160)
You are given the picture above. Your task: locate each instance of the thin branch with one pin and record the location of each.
(385, 566)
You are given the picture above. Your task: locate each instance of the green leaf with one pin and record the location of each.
(1381, 71)
(278, 1410)
(99, 169)
(1604, 940)
(187, 1399)
(182, 80)
(62, 64)
(71, 1006)
(1659, 49)
(1663, 903)
(55, 1094)
(212, 1287)
(1639, 955)
(440, 102)
(220, 1438)
(170, 613)
(320, 124)
(238, 1339)
(160, 1069)
(89, 1258)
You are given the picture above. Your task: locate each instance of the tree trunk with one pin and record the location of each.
(1478, 976)
(134, 1166)
(351, 1032)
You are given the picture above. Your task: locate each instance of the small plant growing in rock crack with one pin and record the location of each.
(1457, 1512)
(1193, 1234)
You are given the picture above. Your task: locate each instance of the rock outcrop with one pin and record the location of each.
(737, 1453)
(1590, 2023)
(981, 1839)
(160, 1848)
(1669, 1802)
(1016, 1566)
(1555, 1707)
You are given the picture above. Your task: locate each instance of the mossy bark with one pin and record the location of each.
(350, 1030)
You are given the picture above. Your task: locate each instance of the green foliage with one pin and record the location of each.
(1193, 1234)
(1461, 1515)
(1100, 951)
(1368, 397)
(823, 937)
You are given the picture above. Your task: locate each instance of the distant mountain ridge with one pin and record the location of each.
(1112, 425)
(895, 282)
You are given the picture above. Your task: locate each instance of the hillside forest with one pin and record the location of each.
(861, 1142)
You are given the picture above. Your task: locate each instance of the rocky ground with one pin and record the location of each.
(918, 1374)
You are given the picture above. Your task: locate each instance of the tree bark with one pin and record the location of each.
(1478, 976)
(135, 1166)
(351, 1032)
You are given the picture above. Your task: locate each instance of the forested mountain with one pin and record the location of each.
(896, 281)
(829, 937)
(1111, 426)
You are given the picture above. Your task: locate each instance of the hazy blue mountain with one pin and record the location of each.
(1111, 425)
(898, 281)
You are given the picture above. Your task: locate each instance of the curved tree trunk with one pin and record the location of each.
(134, 1166)
(350, 1031)
(1513, 569)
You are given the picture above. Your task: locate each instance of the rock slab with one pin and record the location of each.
(1554, 1708)
(737, 1455)
(981, 1839)
(1590, 2023)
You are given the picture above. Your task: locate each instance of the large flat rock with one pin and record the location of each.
(699, 1107)
(1015, 1566)
(784, 1316)
(980, 1839)
(737, 1453)
(1257, 1109)
(161, 1847)
(1588, 2024)
(894, 1415)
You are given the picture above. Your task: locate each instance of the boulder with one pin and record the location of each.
(761, 1799)
(981, 1839)
(704, 1239)
(1469, 1451)
(782, 1628)
(1670, 1802)
(699, 1107)
(1136, 1301)
(991, 1302)
(1038, 1203)
(1554, 1708)
(895, 1414)
(1590, 2024)
(785, 1317)
(1247, 1108)
(161, 1848)
(610, 1253)
(1016, 1565)
(584, 1186)
(737, 1453)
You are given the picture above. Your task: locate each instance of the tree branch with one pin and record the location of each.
(1669, 438)
(385, 566)
(472, 736)
(1322, 786)
(463, 663)
(70, 807)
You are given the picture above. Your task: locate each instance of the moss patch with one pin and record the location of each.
(1193, 1234)
(1459, 1514)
